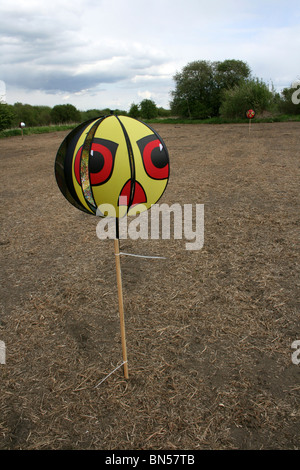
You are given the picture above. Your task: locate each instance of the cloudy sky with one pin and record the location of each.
(111, 53)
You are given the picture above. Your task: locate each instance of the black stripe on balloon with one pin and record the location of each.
(86, 150)
(131, 164)
(63, 166)
(117, 228)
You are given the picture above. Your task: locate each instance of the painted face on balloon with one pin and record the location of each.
(119, 162)
(250, 114)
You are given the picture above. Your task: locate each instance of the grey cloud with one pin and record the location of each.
(54, 80)
(50, 50)
(44, 66)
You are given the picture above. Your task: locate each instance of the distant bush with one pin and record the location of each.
(31, 115)
(252, 93)
(90, 114)
(287, 105)
(162, 112)
(63, 113)
(134, 111)
(95, 113)
(6, 116)
(148, 109)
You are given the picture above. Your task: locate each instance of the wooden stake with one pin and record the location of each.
(121, 307)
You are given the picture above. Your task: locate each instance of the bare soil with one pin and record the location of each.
(209, 332)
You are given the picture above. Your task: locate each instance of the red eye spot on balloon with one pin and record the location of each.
(100, 164)
(155, 157)
(77, 165)
(139, 194)
(101, 161)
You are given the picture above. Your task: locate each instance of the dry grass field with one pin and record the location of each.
(209, 332)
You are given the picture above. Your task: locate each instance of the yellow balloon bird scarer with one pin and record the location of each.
(114, 160)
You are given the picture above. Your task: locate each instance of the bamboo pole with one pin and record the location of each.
(121, 306)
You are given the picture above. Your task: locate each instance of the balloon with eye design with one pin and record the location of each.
(114, 160)
(250, 114)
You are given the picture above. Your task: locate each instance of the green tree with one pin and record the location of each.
(148, 109)
(251, 94)
(32, 115)
(63, 113)
(6, 116)
(134, 111)
(90, 114)
(230, 73)
(43, 114)
(199, 86)
(119, 112)
(194, 88)
(162, 112)
(26, 113)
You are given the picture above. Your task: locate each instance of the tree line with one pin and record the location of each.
(203, 89)
(32, 116)
(206, 89)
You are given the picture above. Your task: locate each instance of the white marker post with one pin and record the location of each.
(21, 126)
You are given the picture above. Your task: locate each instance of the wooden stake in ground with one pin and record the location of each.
(21, 126)
(121, 307)
(250, 115)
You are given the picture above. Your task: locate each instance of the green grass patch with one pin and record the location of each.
(213, 120)
(221, 120)
(36, 130)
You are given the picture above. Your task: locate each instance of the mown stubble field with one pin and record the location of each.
(209, 332)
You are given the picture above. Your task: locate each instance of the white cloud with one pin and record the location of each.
(2, 91)
(145, 94)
